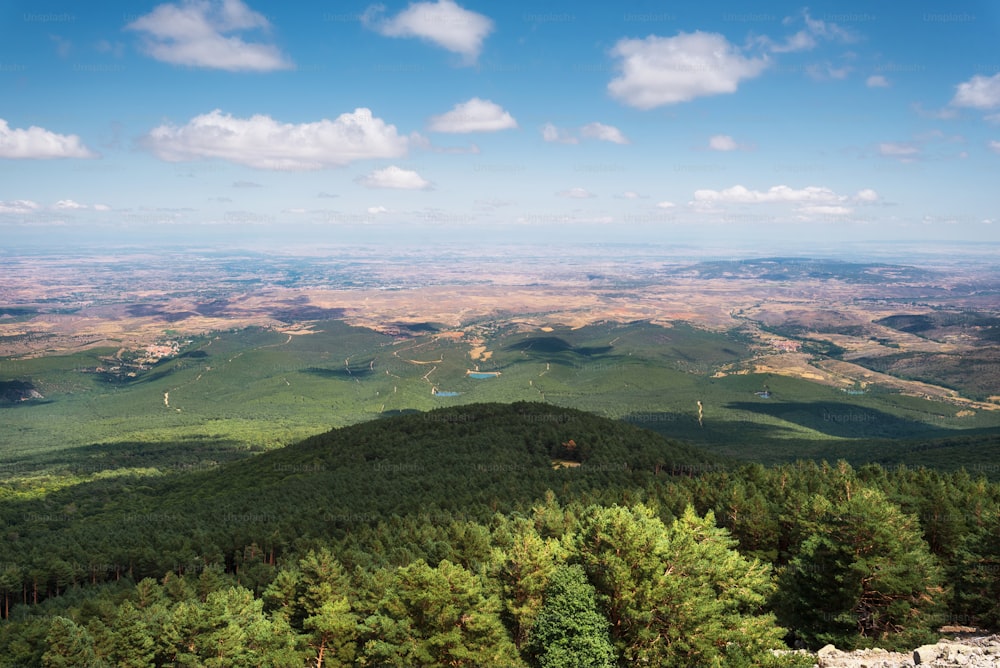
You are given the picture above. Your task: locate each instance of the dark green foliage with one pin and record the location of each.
(570, 632)
(863, 575)
(322, 551)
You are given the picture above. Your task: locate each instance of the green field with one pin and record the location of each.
(238, 392)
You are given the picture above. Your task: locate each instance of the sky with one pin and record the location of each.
(275, 123)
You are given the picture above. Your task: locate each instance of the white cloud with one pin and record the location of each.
(722, 143)
(979, 92)
(742, 195)
(604, 133)
(665, 205)
(897, 149)
(476, 115)
(68, 204)
(630, 194)
(395, 177)
(877, 81)
(375, 210)
(200, 33)
(19, 206)
(666, 70)
(101, 207)
(825, 210)
(867, 195)
(39, 143)
(992, 118)
(595, 130)
(262, 142)
(994, 146)
(443, 22)
(576, 193)
(551, 133)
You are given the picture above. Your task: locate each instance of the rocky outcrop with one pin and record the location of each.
(971, 652)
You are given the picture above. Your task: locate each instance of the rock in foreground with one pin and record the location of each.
(975, 652)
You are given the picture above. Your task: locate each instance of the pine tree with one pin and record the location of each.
(69, 645)
(677, 596)
(863, 575)
(570, 632)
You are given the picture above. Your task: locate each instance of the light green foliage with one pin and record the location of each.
(523, 567)
(677, 596)
(435, 617)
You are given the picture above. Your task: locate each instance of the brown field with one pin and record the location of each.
(132, 301)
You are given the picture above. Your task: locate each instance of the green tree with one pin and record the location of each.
(435, 617)
(132, 645)
(863, 575)
(978, 574)
(69, 645)
(677, 596)
(523, 564)
(570, 632)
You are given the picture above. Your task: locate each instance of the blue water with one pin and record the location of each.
(481, 375)
(446, 394)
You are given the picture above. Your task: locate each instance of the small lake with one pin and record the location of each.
(478, 375)
(446, 394)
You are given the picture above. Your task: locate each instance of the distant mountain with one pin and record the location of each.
(792, 269)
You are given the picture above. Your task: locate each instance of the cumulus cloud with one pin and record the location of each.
(19, 206)
(722, 143)
(656, 71)
(979, 92)
(665, 205)
(205, 33)
(39, 143)
(395, 177)
(375, 210)
(742, 195)
(994, 146)
(68, 204)
(877, 81)
(808, 201)
(604, 133)
(595, 130)
(264, 143)
(576, 193)
(825, 210)
(476, 115)
(443, 23)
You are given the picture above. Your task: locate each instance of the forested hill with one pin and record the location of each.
(469, 536)
(468, 461)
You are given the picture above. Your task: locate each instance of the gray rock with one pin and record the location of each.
(924, 655)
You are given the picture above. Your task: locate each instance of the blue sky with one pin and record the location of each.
(223, 120)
